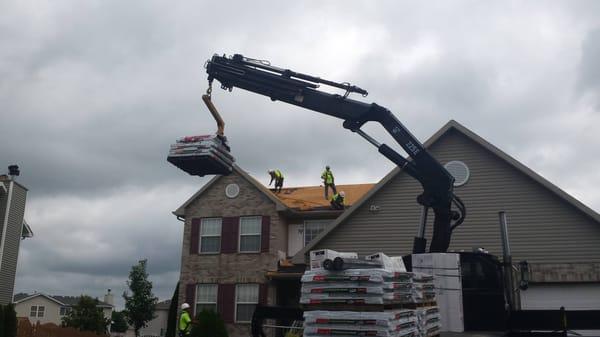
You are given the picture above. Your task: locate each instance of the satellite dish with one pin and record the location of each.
(459, 170)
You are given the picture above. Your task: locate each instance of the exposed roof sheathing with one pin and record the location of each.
(308, 198)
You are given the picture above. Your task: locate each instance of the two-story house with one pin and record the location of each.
(236, 231)
(12, 229)
(43, 308)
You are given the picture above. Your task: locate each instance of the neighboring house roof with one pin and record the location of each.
(312, 198)
(164, 305)
(308, 198)
(65, 301)
(452, 125)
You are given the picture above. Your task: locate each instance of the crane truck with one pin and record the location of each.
(487, 291)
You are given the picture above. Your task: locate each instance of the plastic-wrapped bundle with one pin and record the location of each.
(202, 155)
(333, 298)
(356, 275)
(383, 318)
(340, 287)
(428, 321)
(405, 329)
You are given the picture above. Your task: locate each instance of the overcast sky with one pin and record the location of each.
(92, 93)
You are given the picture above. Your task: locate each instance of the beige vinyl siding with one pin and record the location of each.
(11, 243)
(543, 227)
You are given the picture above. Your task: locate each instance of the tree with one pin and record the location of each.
(139, 307)
(86, 316)
(210, 324)
(10, 321)
(172, 318)
(119, 323)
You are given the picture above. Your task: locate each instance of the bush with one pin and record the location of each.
(10, 321)
(209, 324)
(2, 334)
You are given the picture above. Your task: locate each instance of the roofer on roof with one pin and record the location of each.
(278, 177)
(328, 181)
(337, 200)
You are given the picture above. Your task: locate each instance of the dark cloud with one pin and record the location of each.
(91, 97)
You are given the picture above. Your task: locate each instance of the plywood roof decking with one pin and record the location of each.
(308, 198)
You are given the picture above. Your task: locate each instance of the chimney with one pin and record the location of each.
(13, 171)
(108, 298)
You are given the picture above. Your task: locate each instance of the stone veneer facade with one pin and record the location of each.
(232, 268)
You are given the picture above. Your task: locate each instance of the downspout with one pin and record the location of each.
(5, 222)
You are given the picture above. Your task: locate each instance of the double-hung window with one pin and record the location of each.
(250, 228)
(210, 235)
(206, 297)
(312, 228)
(246, 299)
(64, 310)
(37, 311)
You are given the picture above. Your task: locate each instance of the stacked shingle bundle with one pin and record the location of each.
(424, 289)
(202, 155)
(393, 323)
(365, 301)
(428, 321)
(356, 287)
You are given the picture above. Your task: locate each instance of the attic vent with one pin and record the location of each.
(459, 171)
(232, 190)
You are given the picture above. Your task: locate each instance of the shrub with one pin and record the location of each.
(209, 324)
(10, 321)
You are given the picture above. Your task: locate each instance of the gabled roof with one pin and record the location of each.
(452, 125)
(65, 301)
(278, 204)
(164, 305)
(311, 197)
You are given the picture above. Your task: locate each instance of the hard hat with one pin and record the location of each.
(185, 306)
(342, 194)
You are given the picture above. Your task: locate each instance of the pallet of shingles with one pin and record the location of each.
(202, 155)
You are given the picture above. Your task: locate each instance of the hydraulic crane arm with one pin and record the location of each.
(301, 90)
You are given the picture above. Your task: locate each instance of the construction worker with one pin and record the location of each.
(337, 200)
(328, 181)
(185, 321)
(278, 177)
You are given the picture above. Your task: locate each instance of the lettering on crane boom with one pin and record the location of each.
(412, 147)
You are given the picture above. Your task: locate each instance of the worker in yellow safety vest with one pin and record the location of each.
(185, 321)
(328, 181)
(337, 200)
(278, 177)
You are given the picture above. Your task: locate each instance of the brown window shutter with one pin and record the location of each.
(262, 293)
(265, 234)
(229, 234)
(195, 236)
(190, 296)
(226, 302)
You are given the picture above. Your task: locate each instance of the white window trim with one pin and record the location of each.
(253, 234)
(216, 297)
(235, 307)
(200, 236)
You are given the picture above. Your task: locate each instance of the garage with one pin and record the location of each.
(573, 296)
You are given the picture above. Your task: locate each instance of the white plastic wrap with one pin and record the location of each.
(359, 318)
(340, 287)
(376, 275)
